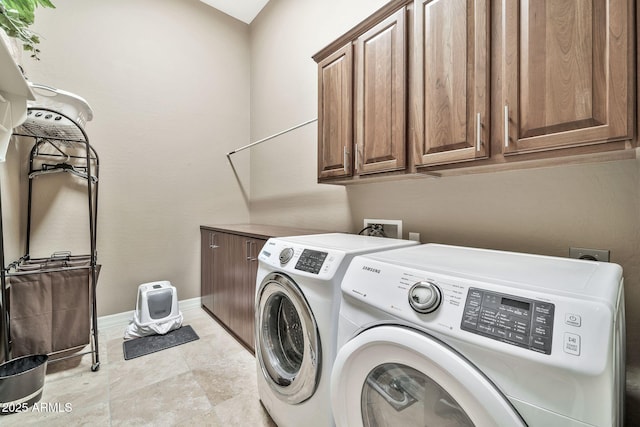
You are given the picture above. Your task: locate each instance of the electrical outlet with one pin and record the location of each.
(590, 254)
(414, 236)
(390, 227)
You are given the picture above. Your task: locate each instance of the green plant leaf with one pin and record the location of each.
(45, 3)
(15, 18)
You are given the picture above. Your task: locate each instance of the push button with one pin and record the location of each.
(543, 308)
(541, 344)
(543, 320)
(542, 331)
(573, 319)
(572, 344)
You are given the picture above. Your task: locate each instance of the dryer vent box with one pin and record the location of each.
(391, 227)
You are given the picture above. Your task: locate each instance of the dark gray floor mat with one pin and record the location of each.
(146, 345)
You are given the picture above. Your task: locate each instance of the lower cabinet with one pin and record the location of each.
(229, 267)
(228, 274)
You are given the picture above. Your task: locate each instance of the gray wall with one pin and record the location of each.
(169, 85)
(543, 211)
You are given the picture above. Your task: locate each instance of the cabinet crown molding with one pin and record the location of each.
(361, 28)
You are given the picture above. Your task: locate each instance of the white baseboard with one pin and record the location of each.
(123, 319)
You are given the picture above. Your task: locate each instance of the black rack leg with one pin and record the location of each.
(94, 323)
(4, 310)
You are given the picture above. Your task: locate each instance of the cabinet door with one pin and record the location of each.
(225, 272)
(451, 81)
(335, 114)
(381, 75)
(245, 327)
(565, 73)
(207, 251)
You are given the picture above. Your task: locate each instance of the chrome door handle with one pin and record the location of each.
(478, 131)
(345, 152)
(248, 244)
(212, 239)
(506, 126)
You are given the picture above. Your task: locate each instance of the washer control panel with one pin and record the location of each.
(511, 319)
(311, 261)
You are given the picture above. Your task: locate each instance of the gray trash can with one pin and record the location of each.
(22, 382)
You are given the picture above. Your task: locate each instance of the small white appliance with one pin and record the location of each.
(297, 304)
(156, 310)
(461, 336)
(156, 302)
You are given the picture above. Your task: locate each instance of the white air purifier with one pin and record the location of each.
(156, 310)
(157, 302)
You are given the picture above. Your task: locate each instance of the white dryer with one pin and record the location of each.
(450, 336)
(297, 305)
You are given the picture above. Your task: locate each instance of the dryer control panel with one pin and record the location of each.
(311, 261)
(511, 319)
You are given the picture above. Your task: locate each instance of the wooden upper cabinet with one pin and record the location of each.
(381, 87)
(565, 73)
(451, 81)
(335, 113)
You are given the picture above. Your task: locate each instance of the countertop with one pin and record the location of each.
(260, 231)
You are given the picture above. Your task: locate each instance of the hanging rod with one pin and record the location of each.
(271, 137)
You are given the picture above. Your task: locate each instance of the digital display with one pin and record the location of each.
(516, 304)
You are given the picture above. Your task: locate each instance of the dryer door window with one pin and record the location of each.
(287, 339)
(396, 394)
(394, 375)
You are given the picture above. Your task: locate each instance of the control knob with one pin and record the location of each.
(425, 297)
(285, 255)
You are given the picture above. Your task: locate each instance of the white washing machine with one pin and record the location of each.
(297, 305)
(450, 336)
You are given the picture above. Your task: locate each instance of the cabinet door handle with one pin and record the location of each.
(345, 152)
(506, 126)
(478, 131)
(248, 244)
(255, 247)
(212, 240)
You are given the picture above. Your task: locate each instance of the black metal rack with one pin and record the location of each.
(61, 146)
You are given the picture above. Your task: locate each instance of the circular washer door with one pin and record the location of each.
(392, 375)
(287, 339)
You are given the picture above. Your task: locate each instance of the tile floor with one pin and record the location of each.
(207, 382)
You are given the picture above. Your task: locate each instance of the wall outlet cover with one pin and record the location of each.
(601, 255)
(391, 227)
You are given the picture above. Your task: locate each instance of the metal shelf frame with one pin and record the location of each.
(61, 145)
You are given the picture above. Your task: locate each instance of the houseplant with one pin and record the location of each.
(16, 16)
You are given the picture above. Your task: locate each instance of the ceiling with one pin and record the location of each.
(244, 10)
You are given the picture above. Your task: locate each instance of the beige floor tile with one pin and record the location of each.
(226, 375)
(207, 382)
(139, 373)
(114, 350)
(165, 403)
(209, 419)
(203, 324)
(62, 416)
(243, 410)
(210, 347)
(81, 391)
(112, 332)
